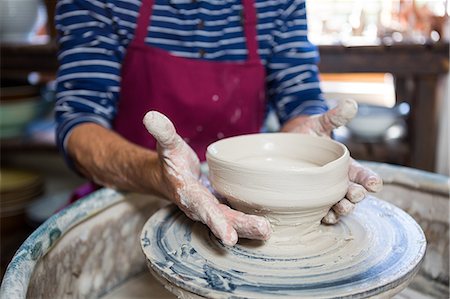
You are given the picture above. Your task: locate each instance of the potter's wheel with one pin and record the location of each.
(374, 251)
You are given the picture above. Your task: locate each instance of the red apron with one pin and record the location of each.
(206, 100)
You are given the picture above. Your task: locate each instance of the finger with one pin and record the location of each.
(162, 129)
(339, 115)
(204, 207)
(365, 177)
(343, 207)
(330, 218)
(220, 226)
(171, 144)
(248, 226)
(355, 192)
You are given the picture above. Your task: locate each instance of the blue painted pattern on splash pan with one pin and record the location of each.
(396, 246)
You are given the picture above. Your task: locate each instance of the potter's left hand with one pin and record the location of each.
(179, 174)
(361, 178)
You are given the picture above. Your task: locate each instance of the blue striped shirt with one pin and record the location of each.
(94, 35)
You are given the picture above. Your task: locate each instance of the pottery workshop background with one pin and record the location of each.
(392, 57)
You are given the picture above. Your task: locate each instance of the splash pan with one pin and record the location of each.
(375, 251)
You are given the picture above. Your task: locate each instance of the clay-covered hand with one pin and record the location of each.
(180, 176)
(361, 178)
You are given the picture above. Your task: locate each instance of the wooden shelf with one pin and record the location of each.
(416, 70)
(24, 144)
(17, 61)
(399, 59)
(393, 153)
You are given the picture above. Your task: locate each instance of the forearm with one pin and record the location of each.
(108, 159)
(323, 124)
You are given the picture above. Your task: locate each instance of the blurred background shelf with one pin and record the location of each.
(416, 69)
(19, 60)
(25, 62)
(401, 59)
(13, 145)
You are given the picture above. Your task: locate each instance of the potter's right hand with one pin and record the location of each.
(180, 175)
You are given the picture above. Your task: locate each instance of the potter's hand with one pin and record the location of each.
(361, 178)
(180, 171)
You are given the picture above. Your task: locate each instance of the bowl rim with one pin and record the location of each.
(309, 170)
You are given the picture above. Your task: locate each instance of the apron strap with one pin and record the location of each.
(249, 23)
(143, 21)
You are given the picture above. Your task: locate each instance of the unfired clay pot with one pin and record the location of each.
(292, 179)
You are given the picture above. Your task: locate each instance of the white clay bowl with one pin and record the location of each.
(291, 178)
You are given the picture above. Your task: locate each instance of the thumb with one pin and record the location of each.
(344, 111)
(160, 127)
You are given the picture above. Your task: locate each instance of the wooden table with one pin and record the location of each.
(416, 68)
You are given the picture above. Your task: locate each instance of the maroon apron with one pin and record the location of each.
(206, 100)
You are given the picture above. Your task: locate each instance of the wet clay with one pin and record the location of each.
(291, 179)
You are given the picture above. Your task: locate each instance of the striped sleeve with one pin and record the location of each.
(293, 82)
(90, 56)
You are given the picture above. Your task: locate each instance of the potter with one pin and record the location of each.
(113, 74)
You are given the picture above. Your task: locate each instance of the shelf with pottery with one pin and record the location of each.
(30, 62)
(24, 144)
(36, 135)
(428, 59)
(38, 184)
(396, 153)
(399, 59)
(26, 120)
(416, 68)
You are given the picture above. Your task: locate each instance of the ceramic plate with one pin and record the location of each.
(375, 249)
(15, 180)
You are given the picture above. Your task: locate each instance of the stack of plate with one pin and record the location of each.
(17, 189)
